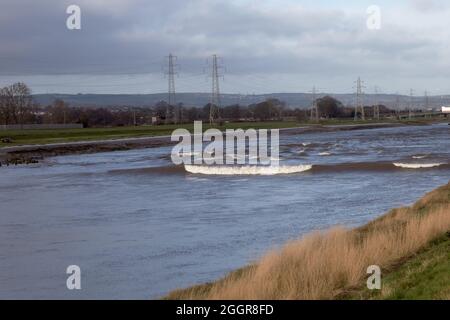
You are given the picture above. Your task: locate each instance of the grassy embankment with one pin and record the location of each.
(411, 245)
(25, 137)
(22, 137)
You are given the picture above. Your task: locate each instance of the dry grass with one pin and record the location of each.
(323, 265)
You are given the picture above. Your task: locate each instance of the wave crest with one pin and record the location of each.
(417, 165)
(246, 170)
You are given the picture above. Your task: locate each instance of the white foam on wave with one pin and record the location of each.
(246, 170)
(417, 165)
(419, 157)
(325, 154)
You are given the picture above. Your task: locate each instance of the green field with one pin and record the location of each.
(25, 137)
(424, 276)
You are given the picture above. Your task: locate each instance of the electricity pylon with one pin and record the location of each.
(315, 108)
(359, 103)
(397, 105)
(376, 108)
(427, 102)
(214, 113)
(410, 104)
(397, 100)
(171, 90)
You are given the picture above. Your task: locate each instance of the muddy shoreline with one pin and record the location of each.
(34, 153)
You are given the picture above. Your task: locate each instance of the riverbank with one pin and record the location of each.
(37, 145)
(411, 246)
(52, 136)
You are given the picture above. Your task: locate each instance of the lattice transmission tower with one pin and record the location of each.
(359, 103)
(315, 107)
(411, 104)
(172, 103)
(376, 107)
(214, 113)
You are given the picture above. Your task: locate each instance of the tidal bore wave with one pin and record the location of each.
(239, 170)
(246, 170)
(294, 169)
(418, 165)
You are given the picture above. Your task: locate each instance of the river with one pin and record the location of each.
(139, 227)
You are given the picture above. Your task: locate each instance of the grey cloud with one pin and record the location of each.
(120, 37)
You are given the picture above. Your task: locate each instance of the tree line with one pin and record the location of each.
(17, 107)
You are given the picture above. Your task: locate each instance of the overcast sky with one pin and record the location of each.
(267, 45)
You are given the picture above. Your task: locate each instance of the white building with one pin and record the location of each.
(445, 109)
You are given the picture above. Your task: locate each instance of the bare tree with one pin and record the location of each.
(4, 108)
(16, 103)
(22, 100)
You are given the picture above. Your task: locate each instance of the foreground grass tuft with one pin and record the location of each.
(409, 244)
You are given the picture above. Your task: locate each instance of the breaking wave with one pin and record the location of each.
(417, 165)
(282, 169)
(246, 170)
(374, 166)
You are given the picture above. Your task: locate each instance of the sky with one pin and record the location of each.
(265, 46)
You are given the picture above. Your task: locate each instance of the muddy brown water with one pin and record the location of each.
(139, 227)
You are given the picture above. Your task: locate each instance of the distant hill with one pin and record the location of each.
(293, 100)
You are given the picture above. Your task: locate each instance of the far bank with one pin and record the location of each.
(31, 146)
